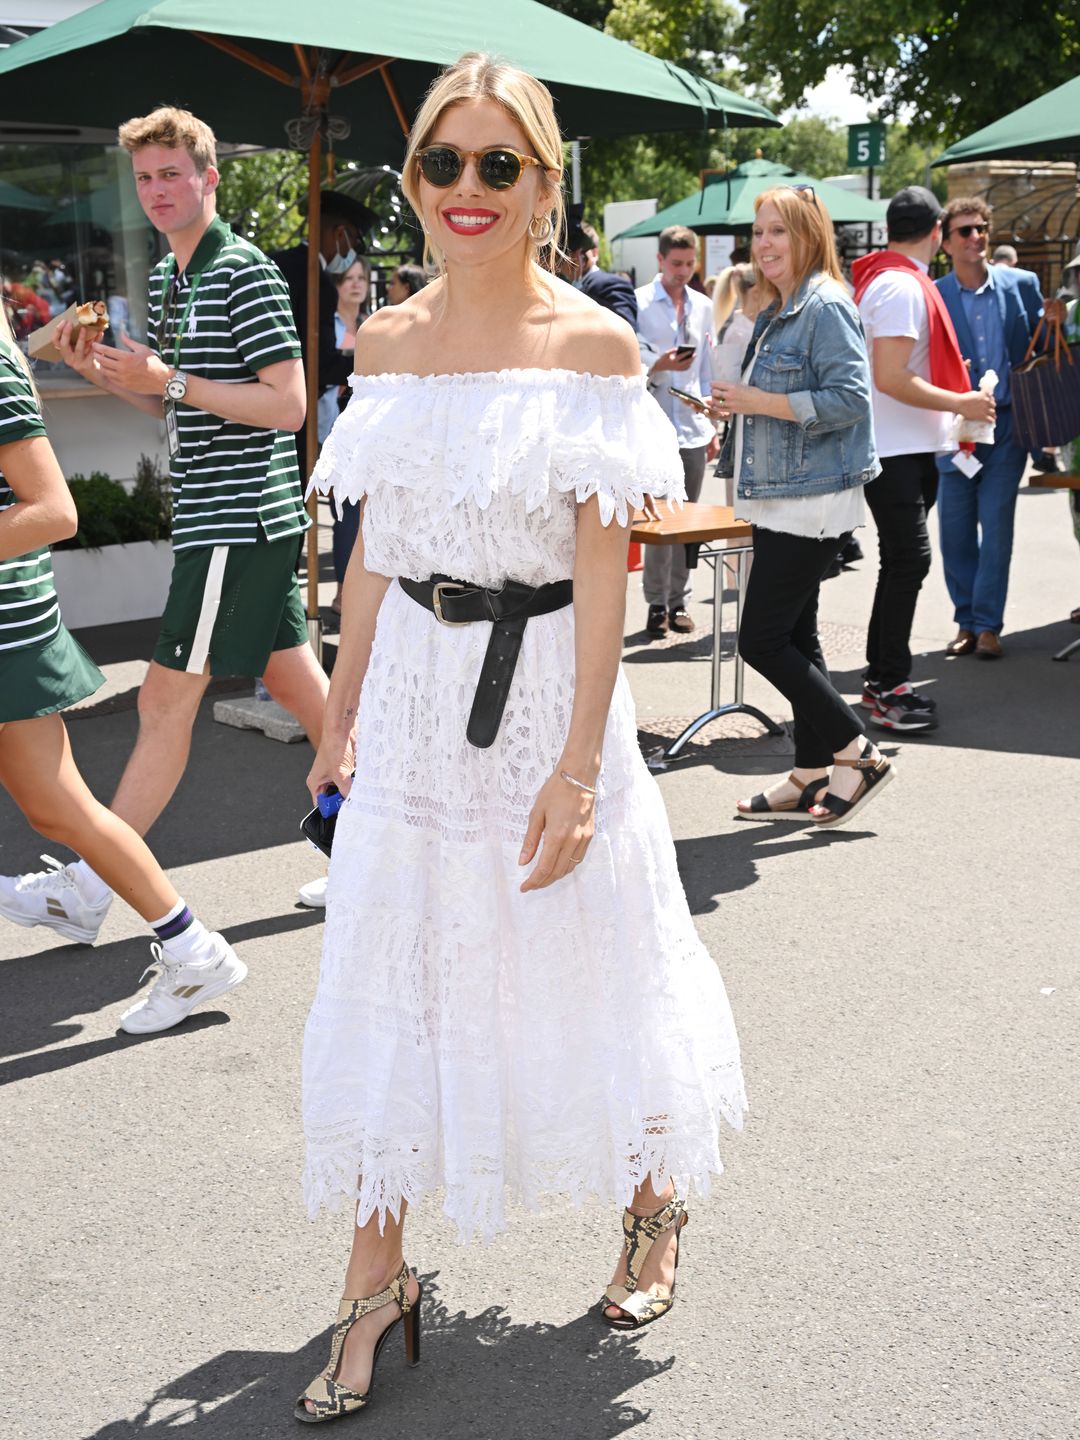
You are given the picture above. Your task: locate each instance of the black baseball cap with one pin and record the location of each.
(912, 212)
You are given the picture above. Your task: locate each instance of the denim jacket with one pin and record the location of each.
(813, 351)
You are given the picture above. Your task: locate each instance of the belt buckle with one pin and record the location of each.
(437, 591)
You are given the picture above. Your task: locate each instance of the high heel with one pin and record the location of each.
(330, 1400)
(642, 1307)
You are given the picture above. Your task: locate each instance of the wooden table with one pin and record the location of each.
(1058, 482)
(708, 526)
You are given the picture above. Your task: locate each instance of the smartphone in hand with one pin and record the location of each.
(685, 352)
(700, 405)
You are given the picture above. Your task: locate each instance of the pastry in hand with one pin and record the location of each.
(91, 318)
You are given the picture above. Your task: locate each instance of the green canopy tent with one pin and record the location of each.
(258, 70)
(1044, 129)
(14, 197)
(726, 202)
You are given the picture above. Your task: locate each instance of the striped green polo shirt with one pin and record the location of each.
(229, 480)
(29, 609)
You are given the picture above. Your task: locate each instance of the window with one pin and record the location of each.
(72, 229)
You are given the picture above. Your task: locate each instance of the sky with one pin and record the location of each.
(833, 100)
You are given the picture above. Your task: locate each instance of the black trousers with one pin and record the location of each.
(778, 638)
(899, 499)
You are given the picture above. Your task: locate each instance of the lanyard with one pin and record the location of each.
(216, 237)
(178, 334)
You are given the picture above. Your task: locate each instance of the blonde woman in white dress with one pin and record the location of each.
(512, 996)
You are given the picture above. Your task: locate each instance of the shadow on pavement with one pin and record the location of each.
(482, 1376)
(38, 994)
(241, 792)
(46, 1062)
(712, 866)
(1023, 704)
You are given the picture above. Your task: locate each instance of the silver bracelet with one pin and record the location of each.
(577, 784)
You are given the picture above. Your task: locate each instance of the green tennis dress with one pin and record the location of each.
(42, 668)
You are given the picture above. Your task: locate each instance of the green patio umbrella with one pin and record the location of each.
(726, 203)
(348, 75)
(1043, 129)
(14, 197)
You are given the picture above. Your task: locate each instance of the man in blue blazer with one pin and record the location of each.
(994, 310)
(611, 291)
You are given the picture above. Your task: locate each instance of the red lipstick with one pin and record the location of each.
(467, 220)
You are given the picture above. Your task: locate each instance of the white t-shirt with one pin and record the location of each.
(894, 306)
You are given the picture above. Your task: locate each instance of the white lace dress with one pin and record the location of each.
(464, 1035)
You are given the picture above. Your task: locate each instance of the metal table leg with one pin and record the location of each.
(716, 558)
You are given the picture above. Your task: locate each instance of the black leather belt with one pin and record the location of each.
(509, 610)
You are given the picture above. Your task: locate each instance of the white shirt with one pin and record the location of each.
(894, 306)
(659, 330)
(731, 347)
(812, 516)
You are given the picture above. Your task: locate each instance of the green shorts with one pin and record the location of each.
(232, 605)
(41, 679)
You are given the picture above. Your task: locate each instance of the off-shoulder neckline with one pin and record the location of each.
(504, 375)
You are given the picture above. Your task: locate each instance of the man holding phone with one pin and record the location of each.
(675, 334)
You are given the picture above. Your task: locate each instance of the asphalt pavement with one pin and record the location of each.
(892, 1251)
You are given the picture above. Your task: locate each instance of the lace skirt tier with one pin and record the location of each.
(466, 1036)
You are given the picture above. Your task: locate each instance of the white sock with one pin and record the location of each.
(193, 947)
(90, 884)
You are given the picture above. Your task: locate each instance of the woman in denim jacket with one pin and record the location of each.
(801, 449)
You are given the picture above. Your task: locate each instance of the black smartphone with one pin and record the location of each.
(695, 400)
(319, 824)
(684, 352)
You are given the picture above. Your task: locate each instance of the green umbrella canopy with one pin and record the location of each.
(14, 197)
(381, 59)
(258, 70)
(727, 202)
(1041, 130)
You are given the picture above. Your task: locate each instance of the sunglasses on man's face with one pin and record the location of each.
(966, 231)
(498, 167)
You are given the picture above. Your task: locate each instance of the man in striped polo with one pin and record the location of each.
(223, 369)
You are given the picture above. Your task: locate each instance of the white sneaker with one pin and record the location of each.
(314, 893)
(179, 988)
(52, 897)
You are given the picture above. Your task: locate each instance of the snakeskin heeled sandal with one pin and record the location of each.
(642, 1307)
(331, 1400)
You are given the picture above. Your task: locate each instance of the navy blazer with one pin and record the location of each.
(1019, 300)
(335, 366)
(613, 292)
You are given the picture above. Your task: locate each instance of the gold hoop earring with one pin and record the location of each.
(546, 233)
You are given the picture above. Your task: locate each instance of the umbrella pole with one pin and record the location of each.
(311, 427)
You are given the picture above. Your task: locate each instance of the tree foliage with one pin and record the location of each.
(949, 66)
(696, 34)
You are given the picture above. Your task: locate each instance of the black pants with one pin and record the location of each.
(778, 637)
(899, 499)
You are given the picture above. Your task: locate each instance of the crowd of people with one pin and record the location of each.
(503, 882)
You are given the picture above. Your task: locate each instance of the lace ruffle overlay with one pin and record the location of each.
(481, 452)
(466, 1036)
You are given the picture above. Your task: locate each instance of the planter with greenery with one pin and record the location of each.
(116, 566)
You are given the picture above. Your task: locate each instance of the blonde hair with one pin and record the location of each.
(731, 287)
(174, 130)
(528, 102)
(813, 244)
(7, 339)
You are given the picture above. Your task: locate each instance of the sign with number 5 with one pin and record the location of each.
(866, 144)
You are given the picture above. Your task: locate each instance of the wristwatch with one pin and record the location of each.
(176, 385)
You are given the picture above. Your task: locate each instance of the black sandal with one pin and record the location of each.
(876, 774)
(799, 809)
